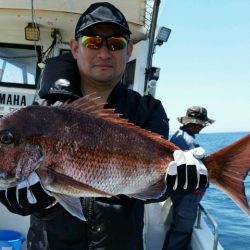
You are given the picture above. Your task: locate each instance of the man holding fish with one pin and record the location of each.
(109, 217)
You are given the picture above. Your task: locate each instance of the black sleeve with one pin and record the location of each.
(144, 111)
(157, 120)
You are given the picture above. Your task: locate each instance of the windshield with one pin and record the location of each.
(18, 66)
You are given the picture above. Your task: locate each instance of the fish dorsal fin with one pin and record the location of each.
(89, 105)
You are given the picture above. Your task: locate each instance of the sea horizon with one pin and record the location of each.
(214, 132)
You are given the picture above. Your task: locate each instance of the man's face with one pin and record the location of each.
(194, 127)
(101, 66)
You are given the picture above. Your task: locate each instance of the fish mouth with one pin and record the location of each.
(8, 181)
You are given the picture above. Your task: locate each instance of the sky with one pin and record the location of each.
(206, 61)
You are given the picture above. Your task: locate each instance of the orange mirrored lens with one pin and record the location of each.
(95, 42)
(91, 42)
(116, 43)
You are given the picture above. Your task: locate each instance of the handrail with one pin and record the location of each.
(213, 222)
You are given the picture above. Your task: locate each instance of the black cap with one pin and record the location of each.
(101, 12)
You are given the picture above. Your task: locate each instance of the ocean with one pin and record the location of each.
(233, 224)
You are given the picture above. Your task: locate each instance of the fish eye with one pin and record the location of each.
(6, 137)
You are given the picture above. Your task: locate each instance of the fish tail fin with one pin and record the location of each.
(227, 169)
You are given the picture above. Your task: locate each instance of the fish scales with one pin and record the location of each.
(113, 165)
(82, 150)
(58, 143)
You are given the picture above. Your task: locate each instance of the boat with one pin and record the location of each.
(36, 30)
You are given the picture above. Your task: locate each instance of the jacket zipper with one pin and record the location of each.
(88, 207)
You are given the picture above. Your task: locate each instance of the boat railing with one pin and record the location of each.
(201, 210)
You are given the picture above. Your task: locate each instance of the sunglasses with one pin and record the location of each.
(113, 42)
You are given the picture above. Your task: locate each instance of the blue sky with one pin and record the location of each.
(206, 61)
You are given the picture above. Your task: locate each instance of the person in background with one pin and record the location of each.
(100, 49)
(185, 206)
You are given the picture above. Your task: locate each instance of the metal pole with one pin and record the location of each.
(151, 42)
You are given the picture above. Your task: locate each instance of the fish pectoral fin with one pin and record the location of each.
(154, 191)
(71, 204)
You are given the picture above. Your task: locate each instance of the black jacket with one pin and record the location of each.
(112, 223)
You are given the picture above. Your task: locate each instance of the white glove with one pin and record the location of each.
(187, 172)
(32, 180)
(27, 197)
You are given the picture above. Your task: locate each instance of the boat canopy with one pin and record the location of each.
(63, 15)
